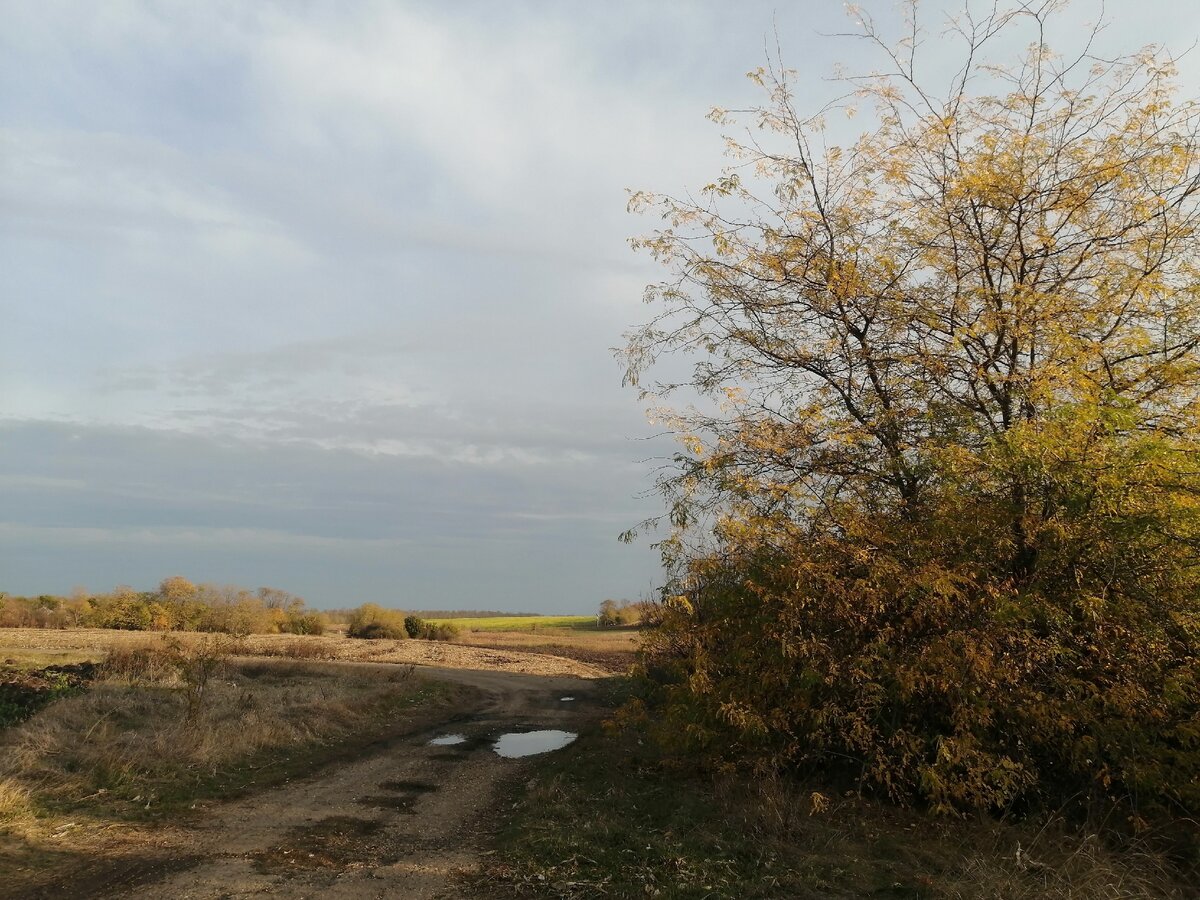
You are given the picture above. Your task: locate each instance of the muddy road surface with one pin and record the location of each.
(404, 819)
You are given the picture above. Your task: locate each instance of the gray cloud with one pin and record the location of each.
(168, 499)
(321, 296)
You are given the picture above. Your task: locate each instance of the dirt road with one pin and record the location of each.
(403, 820)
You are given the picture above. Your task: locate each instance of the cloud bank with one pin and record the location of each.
(321, 296)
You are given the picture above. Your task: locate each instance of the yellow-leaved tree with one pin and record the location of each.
(935, 525)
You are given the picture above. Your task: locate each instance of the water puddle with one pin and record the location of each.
(529, 743)
(565, 699)
(448, 740)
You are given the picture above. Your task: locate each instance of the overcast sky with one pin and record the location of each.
(322, 295)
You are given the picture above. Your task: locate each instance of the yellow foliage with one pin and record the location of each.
(943, 530)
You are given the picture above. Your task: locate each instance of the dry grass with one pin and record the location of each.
(137, 742)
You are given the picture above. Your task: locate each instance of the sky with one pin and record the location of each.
(323, 296)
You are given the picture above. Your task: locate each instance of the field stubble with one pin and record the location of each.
(610, 649)
(35, 647)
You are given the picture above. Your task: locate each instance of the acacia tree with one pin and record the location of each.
(952, 389)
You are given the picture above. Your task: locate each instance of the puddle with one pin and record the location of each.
(528, 743)
(565, 699)
(448, 740)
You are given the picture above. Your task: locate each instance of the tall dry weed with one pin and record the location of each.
(164, 723)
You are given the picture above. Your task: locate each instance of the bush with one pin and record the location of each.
(416, 627)
(442, 631)
(373, 622)
(186, 667)
(614, 614)
(904, 653)
(303, 623)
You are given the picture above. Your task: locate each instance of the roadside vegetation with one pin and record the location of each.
(933, 534)
(163, 727)
(614, 816)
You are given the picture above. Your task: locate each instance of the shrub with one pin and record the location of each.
(195, 665)
(442, 631)
(610, 613)
(613, 613)
(903, 652)
(303, 623)
(187, 668)
(416, 627)
(373, 622)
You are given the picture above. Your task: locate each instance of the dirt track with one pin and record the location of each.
(403, 820)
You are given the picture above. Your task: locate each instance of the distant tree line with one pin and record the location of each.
(176, 605)
(180, 605)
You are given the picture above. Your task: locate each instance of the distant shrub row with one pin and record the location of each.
(177, 605)
(372, 622)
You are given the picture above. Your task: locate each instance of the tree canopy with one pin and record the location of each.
(935, 521)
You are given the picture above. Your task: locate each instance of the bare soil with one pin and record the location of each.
(399, 819)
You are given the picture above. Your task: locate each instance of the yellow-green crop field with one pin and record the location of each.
(522, 623)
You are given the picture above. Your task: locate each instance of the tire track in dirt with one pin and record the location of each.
(403, 821)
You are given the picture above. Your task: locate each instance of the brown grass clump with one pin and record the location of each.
(372, 622)
(137, 663)
(165, 725)
(14, 801)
